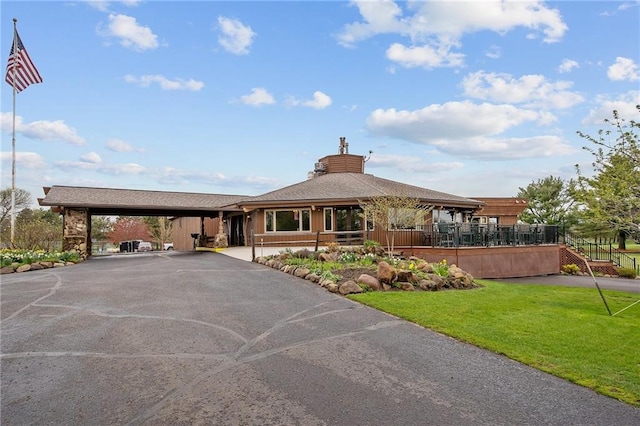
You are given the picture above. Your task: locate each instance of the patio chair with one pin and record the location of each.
(445, 235)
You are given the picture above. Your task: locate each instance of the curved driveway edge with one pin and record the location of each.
(203, 338)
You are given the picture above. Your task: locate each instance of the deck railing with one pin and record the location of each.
(476, 235)
(594, 251)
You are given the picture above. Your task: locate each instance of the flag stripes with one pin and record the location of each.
(21, 72)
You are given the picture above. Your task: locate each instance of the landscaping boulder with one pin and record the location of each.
(36, 267)
(349, 287)
(23, 268)
(386, 273)
(301, 272)
(332, 287)
(314, 278)
(428, 285)
(7, 270)
(369, 281)
(328, 257)
(407, 276)
(406, 286)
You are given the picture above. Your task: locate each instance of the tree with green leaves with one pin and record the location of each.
(610, 198)
(101, 226)
(160, 228)
(549, 202)
(394, 212)
(38, 229)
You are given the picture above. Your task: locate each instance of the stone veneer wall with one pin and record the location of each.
(76, 231)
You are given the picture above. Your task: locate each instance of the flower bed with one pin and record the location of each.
(12, 260)
(367, 268)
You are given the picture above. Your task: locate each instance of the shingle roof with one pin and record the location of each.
(331, 187)
(355, 186)
(110, 198)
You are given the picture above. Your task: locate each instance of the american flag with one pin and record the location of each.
(20, 70)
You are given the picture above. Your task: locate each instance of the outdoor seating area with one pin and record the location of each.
(487, 235)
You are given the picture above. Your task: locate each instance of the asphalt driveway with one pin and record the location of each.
(203, 338)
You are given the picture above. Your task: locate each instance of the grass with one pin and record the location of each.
(561, 330)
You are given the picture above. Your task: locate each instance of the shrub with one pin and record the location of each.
(441, 268)
(627, 272)
(333, 246)
(571, 269)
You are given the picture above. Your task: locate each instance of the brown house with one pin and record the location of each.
(326, 206)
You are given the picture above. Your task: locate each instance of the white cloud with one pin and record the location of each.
(435, 27)
(320, 101)
(236, 37)
(379, 17)
(108, 169)
(103, 5)
(411, 164)
(52, 130)
(91, 157)
(567, 65)
(623, 69)
(258, 96)
(118, 145)
(165, 83)
(494, 52)
(131, 34)
(625, 104)
(530, 90)
(173, 176)
(41, 129)
(468, 129)
(424, 56)
(27, 160)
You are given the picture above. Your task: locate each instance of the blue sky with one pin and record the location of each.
(471, 98)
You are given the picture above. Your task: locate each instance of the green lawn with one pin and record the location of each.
(561, 330)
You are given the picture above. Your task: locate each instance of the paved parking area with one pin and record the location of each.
(204, 338)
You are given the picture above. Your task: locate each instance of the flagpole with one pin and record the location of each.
(13, 137)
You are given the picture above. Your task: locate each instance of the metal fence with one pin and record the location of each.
(477, 235)
(595, 251)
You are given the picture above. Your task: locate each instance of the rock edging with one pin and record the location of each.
(36, 266)
(388, 278)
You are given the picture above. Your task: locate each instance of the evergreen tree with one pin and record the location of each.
(611, 197)
(549, 202)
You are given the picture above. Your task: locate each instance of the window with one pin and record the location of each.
(287, 220)
(349, 219)
(406, 218)
(328, 219)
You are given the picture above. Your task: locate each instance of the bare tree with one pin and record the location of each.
(394, 212)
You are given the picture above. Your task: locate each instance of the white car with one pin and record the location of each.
(167, 246)
(144, 246)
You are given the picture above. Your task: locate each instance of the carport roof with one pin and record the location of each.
(130, 201)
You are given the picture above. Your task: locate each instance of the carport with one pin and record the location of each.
(78, 204)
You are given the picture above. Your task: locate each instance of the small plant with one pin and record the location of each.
(365, 288)
(348, 257)
(627, 272)
(441, 268)
(328, 275)
(367, 260)
(571, 269)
